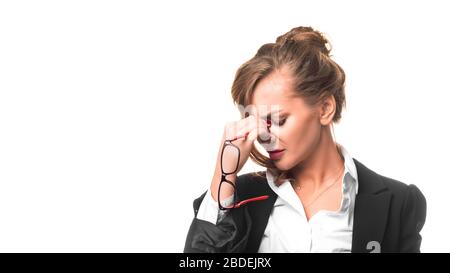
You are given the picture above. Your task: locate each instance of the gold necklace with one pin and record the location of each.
(329, 187)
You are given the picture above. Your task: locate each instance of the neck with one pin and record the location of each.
(323, 164)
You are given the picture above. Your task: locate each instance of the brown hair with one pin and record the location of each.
(306, 53)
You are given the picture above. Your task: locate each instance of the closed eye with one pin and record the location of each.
(279, 122)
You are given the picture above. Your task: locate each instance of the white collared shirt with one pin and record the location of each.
(288, 229)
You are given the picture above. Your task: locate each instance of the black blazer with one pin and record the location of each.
(388, 217)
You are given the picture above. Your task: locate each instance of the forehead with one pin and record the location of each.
(274, 92)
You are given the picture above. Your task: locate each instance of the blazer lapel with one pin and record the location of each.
(371, 211)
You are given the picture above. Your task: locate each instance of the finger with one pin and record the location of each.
(240, 136)
(250, 127)
(260, 132)
(241, 126)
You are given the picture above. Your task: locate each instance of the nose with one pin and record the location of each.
(265, 137)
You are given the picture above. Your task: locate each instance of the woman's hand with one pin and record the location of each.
(243, 134)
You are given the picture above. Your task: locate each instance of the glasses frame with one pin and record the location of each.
(223, 178)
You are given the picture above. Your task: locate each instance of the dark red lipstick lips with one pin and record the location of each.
(276, 154)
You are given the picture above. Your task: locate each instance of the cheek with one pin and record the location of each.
(302, 137)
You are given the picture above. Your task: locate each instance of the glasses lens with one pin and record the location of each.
(230, 159)
(226, 194)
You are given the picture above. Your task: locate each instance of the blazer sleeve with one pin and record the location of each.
(227, 236)
(413, 218)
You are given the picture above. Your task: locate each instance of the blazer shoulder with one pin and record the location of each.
(401, 189)
(395, 186)
(412, 207)
(406, 197)
(412, 200)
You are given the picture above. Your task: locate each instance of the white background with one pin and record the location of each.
(111, 112)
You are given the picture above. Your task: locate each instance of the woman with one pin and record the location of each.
(313, 196)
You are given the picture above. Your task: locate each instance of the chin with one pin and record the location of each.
(282, 165)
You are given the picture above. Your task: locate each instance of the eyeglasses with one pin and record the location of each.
(227, 195)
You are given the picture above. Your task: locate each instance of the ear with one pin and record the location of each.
(327, 110)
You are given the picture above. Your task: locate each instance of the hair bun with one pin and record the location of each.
(308, 36)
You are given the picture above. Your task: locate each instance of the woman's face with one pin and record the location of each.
(295, 128)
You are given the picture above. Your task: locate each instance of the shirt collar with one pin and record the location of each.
(350, 166)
